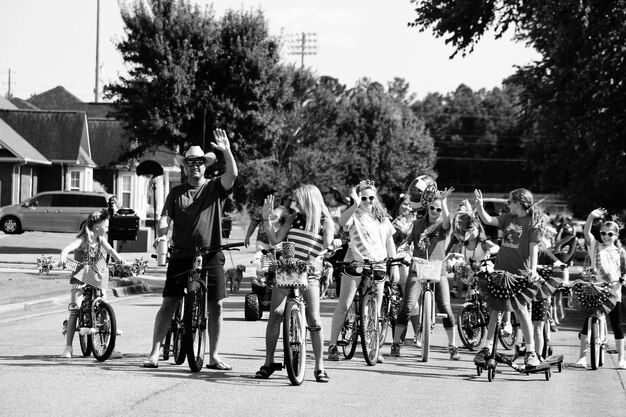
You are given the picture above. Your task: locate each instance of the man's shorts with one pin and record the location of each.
(178, 276)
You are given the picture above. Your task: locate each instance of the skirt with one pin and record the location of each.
(504, 291)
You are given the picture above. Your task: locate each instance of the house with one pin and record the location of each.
(54, 141)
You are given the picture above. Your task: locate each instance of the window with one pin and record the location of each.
(126, 190)
(42, 201)
(74, 180)
(64, 200)
(92, 201)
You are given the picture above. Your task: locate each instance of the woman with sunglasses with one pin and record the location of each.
(371, 237)
(430, 237)
(610, 265)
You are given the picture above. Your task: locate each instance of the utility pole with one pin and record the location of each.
(9, 94)
(96, 90)
(302, 44)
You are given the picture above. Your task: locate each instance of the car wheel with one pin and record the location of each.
(11, 225)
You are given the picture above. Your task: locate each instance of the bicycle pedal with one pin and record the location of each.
(277, 366)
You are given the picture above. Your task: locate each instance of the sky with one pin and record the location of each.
(44, 44)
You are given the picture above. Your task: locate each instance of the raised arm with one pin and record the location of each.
(486, 218)
(281, 234)
(346, 215)
(222, 144)
(595, 214)
(445, 213)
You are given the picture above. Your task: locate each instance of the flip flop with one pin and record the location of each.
(150, 364)
(321, 376)
(220, 366)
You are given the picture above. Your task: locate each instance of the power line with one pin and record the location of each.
(302, 44)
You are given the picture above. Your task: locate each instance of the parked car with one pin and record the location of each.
(52, 211)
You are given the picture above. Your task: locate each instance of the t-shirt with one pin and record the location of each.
(517, 235)
(434, 242)
(368, 237)
(609, 261)
(196, 212)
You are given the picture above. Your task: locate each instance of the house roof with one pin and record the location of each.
(6, 104)
(57, 135)
(111, 133)
(23, 104)
(15, 147)
(57, 98)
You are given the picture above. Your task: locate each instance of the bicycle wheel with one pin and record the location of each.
(195, 326)
(103, 340)
(349, 332)
(471, 326)
(294, 341)
(178, 346)
(602, 332)
(426, 323)
(166, 344)
(368, 328)
(385, 317)
(508, 341)
(595, 343)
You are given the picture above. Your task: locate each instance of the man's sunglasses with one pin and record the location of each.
(371, 198)
(611, 234)
(196, 162)
(437, 209)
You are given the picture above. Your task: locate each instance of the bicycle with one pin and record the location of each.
(390, 306)
(595, 299)
(97, 324)
(173, 343)
(195, 312)
(363, 313)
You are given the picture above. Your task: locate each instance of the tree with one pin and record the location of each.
(572, 99)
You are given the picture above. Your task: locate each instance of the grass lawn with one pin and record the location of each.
(25, 286)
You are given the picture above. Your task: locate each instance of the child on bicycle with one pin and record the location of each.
(371, 238)
(522, 228)
(609, 260)
(430, 237)
(90, 248)
(311, 223)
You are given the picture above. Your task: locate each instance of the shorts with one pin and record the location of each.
(177, 276)
(351, 272)
(540, 310)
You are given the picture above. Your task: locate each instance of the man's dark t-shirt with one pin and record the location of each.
(196, 213)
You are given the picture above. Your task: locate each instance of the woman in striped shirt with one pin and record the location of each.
(311, 229)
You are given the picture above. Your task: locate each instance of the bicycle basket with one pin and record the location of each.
(427, 270)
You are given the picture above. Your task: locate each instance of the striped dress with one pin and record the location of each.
(307, 245)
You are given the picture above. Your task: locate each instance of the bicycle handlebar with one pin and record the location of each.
(370, 264)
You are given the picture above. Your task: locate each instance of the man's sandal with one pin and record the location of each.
(321, 376)
(266, 371)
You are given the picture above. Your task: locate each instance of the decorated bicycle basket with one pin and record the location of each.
(427, 270)
(465, 274)
(96, 275)
(290, 272)
(593, 296)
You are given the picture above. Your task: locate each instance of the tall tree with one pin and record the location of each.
(572, 98)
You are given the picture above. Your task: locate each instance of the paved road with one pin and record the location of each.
(35, 381)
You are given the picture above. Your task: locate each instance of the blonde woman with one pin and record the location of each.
(312, 226)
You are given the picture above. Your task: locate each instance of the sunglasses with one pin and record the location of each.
(370, 198)
(437, 209)
(611, 234)
(194, 162)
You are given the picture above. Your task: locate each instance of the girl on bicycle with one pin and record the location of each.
(313, 218)
(610, 265)
(90, 248)
(430, 237)
(371, 237)
(522, 228)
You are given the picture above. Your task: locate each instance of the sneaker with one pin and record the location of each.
(621, 364)
(116, 354)
(582, 363)
(333, 353)
(481, 356)
(531, 360)
(380, 358)
(417, 342)
(553, 327)
(507, 329)
(395, 350)
(454, 352)
(67, 352)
